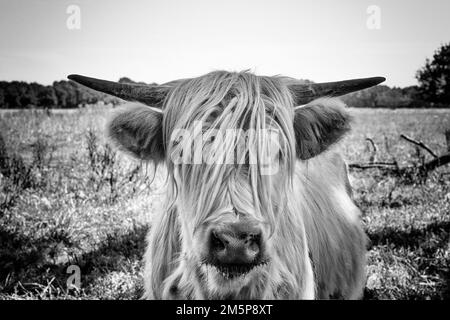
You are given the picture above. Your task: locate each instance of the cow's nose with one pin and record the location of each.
(236, 245)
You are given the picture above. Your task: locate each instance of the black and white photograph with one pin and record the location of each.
(224, 150)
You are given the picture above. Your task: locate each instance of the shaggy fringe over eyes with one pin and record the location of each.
(222, 101)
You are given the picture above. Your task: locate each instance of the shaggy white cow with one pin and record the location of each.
(258, 206)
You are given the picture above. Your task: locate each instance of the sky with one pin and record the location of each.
(164, 40)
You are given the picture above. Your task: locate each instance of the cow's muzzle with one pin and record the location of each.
(235, 249)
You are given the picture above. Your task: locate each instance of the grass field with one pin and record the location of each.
(67, 198)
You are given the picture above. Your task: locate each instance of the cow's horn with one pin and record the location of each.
(304, 93)
(150, 95)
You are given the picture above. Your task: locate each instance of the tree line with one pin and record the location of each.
(61, 94)
(433, 91)
(385, 97)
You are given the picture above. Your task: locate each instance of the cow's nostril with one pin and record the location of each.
(217, 243)
(254, 242)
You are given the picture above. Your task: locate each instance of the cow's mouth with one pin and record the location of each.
(232, 271)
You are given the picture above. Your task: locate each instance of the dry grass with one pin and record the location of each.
(66, 197)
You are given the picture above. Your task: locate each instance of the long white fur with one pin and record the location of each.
(331, 233)
(312, 231)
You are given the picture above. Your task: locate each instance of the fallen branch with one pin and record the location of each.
(420, 144)
(372, 165)
(374, 150)
(435, 163)
(392, 167)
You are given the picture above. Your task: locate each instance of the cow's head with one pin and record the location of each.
(230, 142)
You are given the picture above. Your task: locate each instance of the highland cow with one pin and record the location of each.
(258, 204)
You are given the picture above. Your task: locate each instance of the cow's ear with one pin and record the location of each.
(318, 125)
(138, 130)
